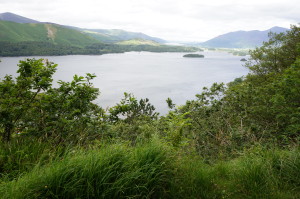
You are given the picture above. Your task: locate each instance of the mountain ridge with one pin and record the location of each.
(241, 38)
(31, 39)
(102, 35)
(8, 16)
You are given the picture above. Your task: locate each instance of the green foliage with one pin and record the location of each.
(170, 103)
(58, 112)
(174, 128)
(66, 111)
(286, 100)
(30, 48)
(133, 120)
(139, 131)
(279, 53)
(211, 129)
(268, 104)
(18, 96)
(130, 109)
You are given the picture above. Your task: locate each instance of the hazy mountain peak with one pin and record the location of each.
(277, 29)
(8, 16)
(242, 39)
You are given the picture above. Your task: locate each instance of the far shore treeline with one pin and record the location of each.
(37, 48)
(233, 141)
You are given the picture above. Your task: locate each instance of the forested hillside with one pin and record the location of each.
(239, 140)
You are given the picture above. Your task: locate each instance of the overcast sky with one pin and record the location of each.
(178, 20)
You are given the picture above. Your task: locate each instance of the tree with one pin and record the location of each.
(277, 54)
(18, 95)
(65, 111)
(170, 103)
(130, 109)
(29, 105)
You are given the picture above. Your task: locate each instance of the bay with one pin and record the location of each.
(156, 76)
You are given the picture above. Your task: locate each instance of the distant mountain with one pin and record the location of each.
(20, 36)
(7, 16)
(43, 32)
(241, 39)
(102, 35)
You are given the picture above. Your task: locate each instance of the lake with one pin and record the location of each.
(156, 76)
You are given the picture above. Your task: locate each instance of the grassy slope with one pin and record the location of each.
(115, 35)
(101, 36)
(153, 170)
(15, 32)
(138, 42)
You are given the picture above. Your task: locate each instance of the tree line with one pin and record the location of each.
(32, 48)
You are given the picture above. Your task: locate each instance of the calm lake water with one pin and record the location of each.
(156, 76)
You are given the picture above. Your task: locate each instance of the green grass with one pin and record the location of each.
(263, 174)
(15, 32)
(153, 170)
(112, 172)
(22, 155)
(101, 36)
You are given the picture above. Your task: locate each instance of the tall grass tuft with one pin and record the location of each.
(22, 155)
(267, 174)
(194, 179)
(112, 172)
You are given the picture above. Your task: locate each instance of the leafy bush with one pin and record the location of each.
(30, 106)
